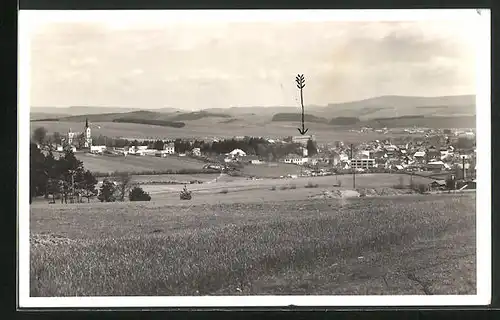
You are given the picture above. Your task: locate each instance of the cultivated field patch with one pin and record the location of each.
(131, 163)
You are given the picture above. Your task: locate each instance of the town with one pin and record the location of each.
(439, 154)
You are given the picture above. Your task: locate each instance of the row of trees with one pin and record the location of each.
(251, 145)
(41, 137)
(112, 191)
(65, 178)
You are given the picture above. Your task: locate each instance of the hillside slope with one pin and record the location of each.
(391, 106)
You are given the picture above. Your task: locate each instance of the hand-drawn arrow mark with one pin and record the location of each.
(301, 83)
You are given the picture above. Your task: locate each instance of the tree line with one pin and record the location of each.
(250, 145)
(65, 178)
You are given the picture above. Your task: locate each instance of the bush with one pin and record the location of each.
(311, 185)
(273, 188)
(107, 192)
(185, 194)
(283, 187)
(224, 191)
(422, 188)
(293, 186)
(137, 194)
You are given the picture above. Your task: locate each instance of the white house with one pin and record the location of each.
(295, 159)
(97, 149)
(419, 154)
(303, 139)
(437, 165)
(148, 152)
(162, 153)
(169, 148)
(343, 157)
(196, 152)
(304, 152)
(237, 153)
(362, 163)
(390, 148)
(365, 154)
(444, 154)
(252, 159)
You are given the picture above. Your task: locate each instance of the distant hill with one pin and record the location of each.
(264, 111)
(43, 115)
(387, 106)
(423, 121)
(110, 117)
(198, 115)
(344, 121)
(153, 122)
(294, 117)
(231, 120)
(139, 117)
(379, 111)
(75, 111)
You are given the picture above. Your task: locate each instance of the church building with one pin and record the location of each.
(73, 136)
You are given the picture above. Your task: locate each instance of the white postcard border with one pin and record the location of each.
(28, 20)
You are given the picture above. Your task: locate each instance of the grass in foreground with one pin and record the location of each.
(410, 245)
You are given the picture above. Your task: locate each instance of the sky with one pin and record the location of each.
(191, 65)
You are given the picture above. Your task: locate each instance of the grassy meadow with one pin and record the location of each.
(132, 163)
(382, 245)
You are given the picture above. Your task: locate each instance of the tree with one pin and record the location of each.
(158, 145)
(107, 191)
(80, 140)
(70, 171)
(123, 180)
(311, 148)
(465, 143)
(137, 194)
(38, 176)
(57, 138)
(451, 183)
(40, 135)
(88, 185)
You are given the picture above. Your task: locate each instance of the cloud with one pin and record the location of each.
(225, 64)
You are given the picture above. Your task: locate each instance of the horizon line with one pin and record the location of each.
(250, 106)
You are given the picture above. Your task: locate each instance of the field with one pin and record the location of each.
(131, 163)
(251, 240)
(241, 189)
(210, 128)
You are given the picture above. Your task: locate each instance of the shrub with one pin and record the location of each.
(283, 187)
(273, 188)
(224, 191)
(422, 188)
(137, 194)
(311, 185)
(107, 192)
(293, 186)
(185, 194)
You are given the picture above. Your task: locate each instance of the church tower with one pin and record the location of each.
(88, 134)
(71, 136)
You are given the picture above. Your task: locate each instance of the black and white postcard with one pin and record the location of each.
(254, 158)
